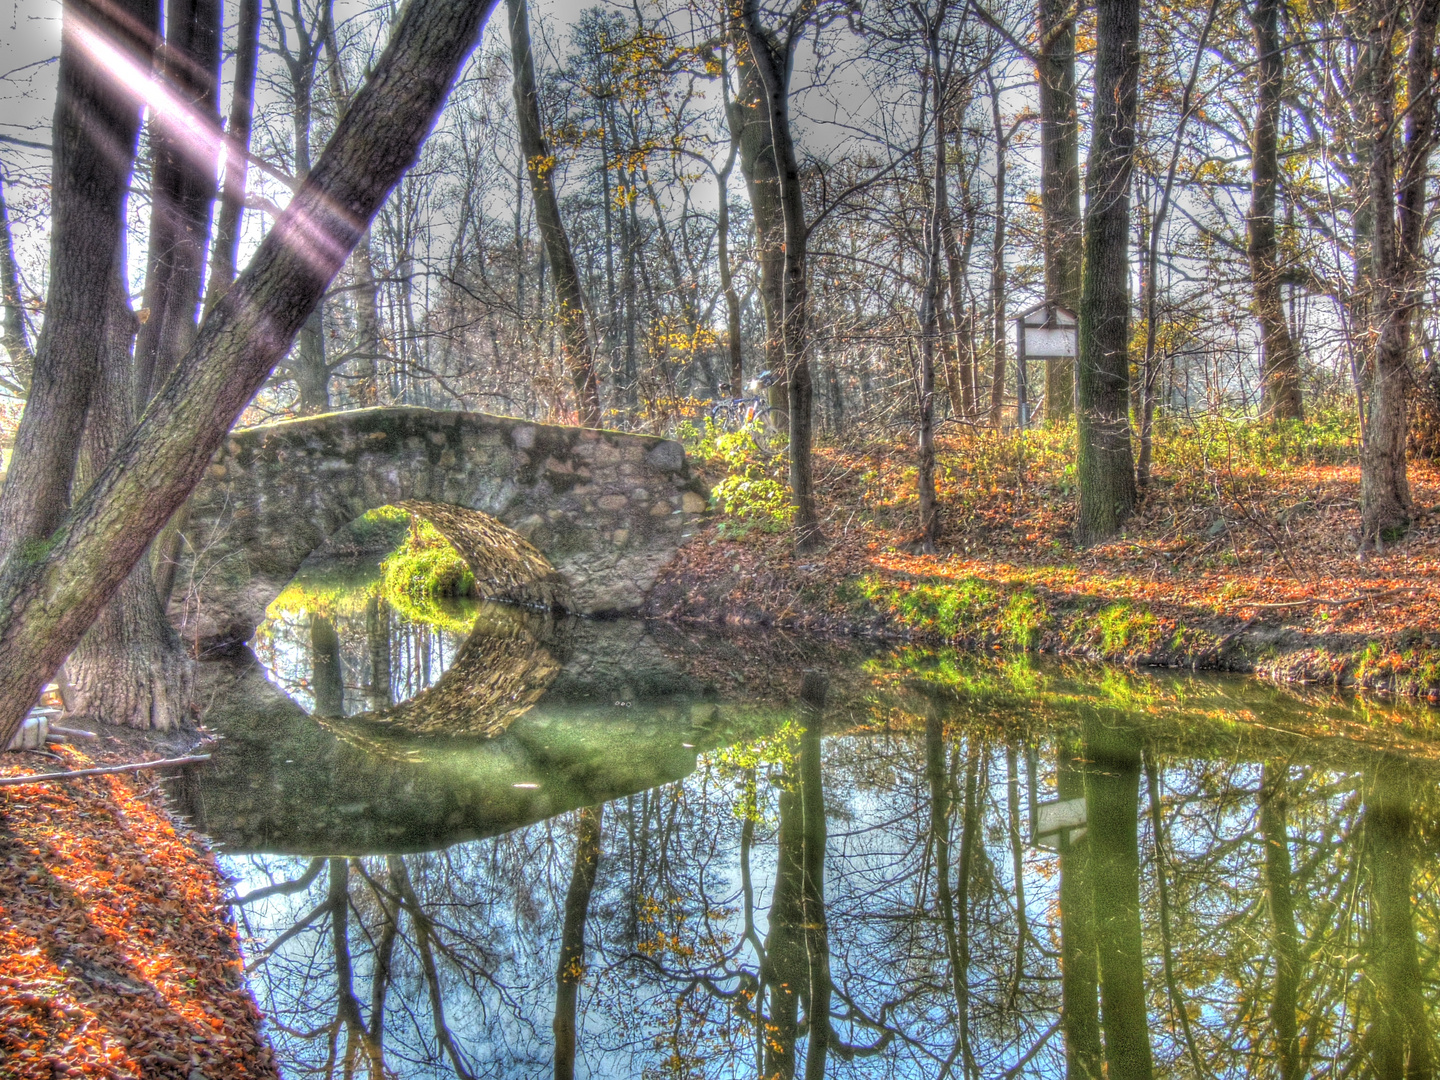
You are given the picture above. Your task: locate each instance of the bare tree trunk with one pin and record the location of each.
(327, 675)
(49, 597)
(182, 193)
(1397, 196)
(540, 163)
(997, 262)
(13, 338)
(1105, 467)
(1059, 186)
(570, 971)
(1279, 359)
(96, 125)
(771, 61)
(930, 306)
(237, 149)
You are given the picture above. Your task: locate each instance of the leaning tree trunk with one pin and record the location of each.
(1063, 238)
(50, 596)
(1279, 358)
(96, 125)
(540, 164)
(1105, 467)
(130, 668)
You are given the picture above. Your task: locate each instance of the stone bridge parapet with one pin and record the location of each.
(579, 518)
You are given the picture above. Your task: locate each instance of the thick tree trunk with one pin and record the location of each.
(727, 279)
(570, 971)
(540, 164)
(97, 121)
(48, 598)
(1105, 467)
(1112, 797)
(1063, 239)
(130, 668)
(1397, 184)
(817, 935)
(13, 338)
(1279, 358)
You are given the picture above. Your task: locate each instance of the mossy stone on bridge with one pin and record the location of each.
(572, 517)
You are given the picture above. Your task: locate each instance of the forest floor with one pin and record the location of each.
(1243, 556)
(118, 956)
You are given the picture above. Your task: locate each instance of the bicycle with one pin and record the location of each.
(753, 414)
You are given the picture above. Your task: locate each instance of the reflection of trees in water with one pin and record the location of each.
(1295, 934)
(359, 655)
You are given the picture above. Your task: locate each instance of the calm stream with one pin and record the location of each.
(663, 853)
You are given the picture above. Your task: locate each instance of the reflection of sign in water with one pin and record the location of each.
(1046, 332)
(1056, 819)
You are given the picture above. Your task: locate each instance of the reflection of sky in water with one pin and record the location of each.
(380, 644)
(669, 960)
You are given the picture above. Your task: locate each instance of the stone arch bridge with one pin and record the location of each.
(572, 517)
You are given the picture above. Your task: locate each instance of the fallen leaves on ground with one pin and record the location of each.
(1219, 540)
(117, 956)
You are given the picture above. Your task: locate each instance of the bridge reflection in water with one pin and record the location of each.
(673, 851)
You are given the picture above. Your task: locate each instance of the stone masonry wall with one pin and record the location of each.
(606, 510)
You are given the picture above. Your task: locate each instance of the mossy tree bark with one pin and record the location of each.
(52, 590)
(540, 164)
(1105, 466)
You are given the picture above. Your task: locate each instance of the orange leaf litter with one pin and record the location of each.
(117, 954)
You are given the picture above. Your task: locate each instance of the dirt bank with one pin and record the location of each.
(1248, 568)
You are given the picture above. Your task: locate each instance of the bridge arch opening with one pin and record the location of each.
(369, 652)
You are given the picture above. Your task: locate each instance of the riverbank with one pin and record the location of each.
(118, 956)
(1242, 558)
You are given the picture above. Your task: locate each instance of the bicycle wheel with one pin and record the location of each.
(765, 430)
(723, 416)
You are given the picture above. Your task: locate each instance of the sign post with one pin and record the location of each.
(1046, 331)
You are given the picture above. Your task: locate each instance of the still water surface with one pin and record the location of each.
(652, 853)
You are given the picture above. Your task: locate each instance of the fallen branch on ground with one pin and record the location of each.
(41, 778)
